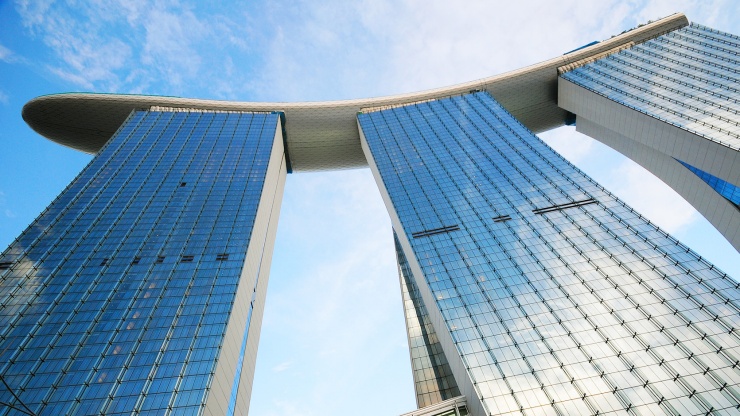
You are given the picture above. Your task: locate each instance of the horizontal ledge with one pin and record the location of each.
(564, 206)
(433, 231)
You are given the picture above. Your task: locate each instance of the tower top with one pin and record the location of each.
(323, 135)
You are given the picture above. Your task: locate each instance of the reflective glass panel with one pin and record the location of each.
(115, 299)
(557, 297)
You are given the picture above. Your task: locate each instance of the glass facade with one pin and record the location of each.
(433, 379)
(724, 188)
(557, 297)
(676, 94)
(527, 287)
(116, 299)
(688, 78)
(451, 407)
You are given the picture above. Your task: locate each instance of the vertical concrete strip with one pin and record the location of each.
(254, 278)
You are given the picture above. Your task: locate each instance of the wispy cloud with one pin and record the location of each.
(33, 12)
(302, 50)
(281, 367)
(169, 44)
(5, 54)
(3, 204)
(652, 198)
(140, 46)
(342, 49)
(624, 178)
(574, 147)
(345, 288)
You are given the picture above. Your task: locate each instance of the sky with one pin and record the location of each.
(333, 336)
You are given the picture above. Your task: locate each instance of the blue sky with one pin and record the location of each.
(333, 335)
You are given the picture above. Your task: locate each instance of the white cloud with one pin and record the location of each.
(88, 55)
(651, 197)
(34, 12)
(627, 180)
(281, 367)
(5, 54)
(332, 49)
(169, 45)
(334, 303)
(144, 46)
(574, 147)
(714, 13)
(340, 49)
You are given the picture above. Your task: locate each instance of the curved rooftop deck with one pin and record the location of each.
(324, 135)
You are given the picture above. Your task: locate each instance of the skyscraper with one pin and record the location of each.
(670, 104)
(556, 296)
(123, 293)
(527, 286)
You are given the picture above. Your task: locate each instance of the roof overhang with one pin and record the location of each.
(324, 135)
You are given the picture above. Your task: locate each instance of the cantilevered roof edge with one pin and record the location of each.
(323, 135)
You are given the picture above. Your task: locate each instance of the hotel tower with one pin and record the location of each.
(527, 287)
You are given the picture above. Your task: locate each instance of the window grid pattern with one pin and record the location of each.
(118, 294)
(433, 379)
(688, 77)
(724, 188)
(585, 310)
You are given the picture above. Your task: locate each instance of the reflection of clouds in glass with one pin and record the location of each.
(26, 279)
(549, 307)
(685, 78)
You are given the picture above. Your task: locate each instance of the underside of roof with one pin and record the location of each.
(324, 135)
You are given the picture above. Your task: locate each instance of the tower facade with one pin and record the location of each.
(527, 287)
(549, 294)
(671, 105)
(141, 287)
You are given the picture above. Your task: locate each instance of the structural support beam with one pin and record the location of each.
(658, 146)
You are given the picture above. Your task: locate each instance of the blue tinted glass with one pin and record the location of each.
(115, 300)
(724, 188)
(554, 295)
